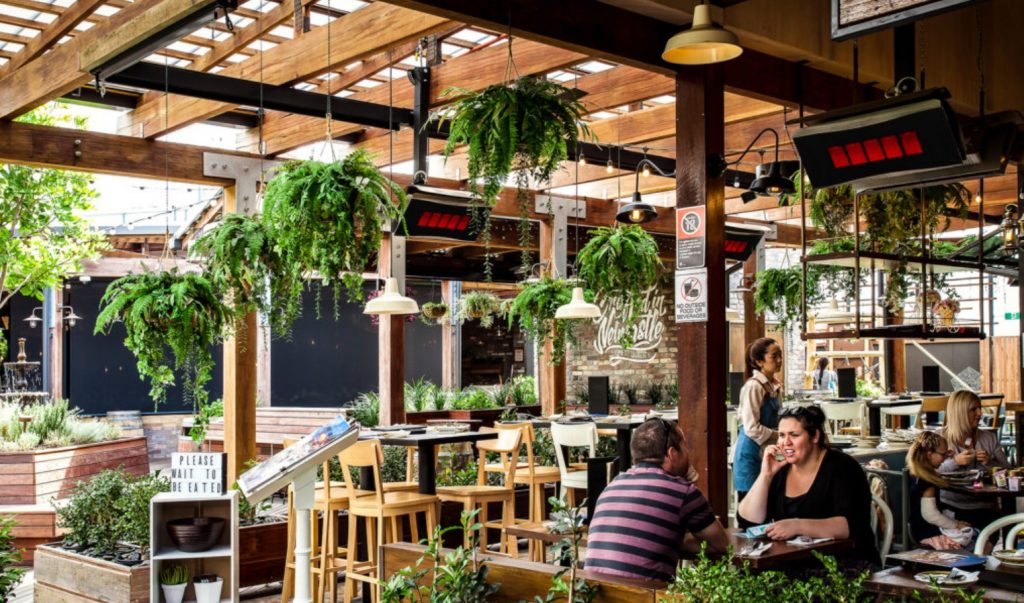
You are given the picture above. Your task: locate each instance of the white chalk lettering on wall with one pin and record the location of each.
(647, 332)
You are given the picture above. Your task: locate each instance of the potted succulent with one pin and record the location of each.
(208, 587)
(173, 581)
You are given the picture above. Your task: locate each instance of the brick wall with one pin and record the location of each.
(653, 356)
(162, 435)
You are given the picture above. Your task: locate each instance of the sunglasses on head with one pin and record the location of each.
(794, 411)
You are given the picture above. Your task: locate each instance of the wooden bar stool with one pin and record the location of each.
(381, 511)
(479, 496)
(529, 473)
(326, 556)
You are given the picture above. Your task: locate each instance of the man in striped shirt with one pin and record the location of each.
(652, 513)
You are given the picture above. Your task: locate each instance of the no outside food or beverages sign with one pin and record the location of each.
(691, 295)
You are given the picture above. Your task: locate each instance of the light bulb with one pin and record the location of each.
(646, 172)
(610, 168)
(636, 215)
(583, 160)
(977, 198)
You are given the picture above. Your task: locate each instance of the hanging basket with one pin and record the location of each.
(946, 310)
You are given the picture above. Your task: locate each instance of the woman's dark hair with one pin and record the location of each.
(822, 365)
(756, 353)
(811, 418)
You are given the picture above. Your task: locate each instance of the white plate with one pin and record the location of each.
(1008, 557)
(941, 578)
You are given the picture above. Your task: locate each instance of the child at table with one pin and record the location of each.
(928, 516)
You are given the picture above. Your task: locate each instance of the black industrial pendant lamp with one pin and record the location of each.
(769, 178)
(636, 211)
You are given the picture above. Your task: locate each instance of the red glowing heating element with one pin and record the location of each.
(732, 246)
(875, 149)
(433, 219)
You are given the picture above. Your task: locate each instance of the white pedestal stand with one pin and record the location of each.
(304, 493)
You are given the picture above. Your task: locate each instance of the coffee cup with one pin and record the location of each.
(1013, 483)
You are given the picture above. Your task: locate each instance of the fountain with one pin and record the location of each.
(23, 381)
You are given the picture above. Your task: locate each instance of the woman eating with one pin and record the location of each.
(758, 412)
(806, 488)
(971, 448)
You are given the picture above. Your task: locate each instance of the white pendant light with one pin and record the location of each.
(579, 307)
(703, 44)
(391, 301)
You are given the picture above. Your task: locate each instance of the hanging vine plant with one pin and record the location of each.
(171, 320)
(524, 128)
(621, 263)
(478, 305)
(533, 310)
(327, 218)
(432, 313)
(240, 256)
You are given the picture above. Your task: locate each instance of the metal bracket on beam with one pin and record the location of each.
(247, 173)
(420, 78)
(560, 208)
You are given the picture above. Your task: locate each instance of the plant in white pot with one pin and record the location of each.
(208, 587)
(173, 581)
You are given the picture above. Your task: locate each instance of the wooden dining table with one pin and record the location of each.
(997, 583)
(782, 554)
(425, 444)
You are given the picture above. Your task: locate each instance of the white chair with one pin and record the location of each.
(878, 505)
(573, 435)
(909, 410)
(836, 412)
(1016, 520)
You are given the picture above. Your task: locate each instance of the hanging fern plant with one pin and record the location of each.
(478, 305)
(533, 310)
(240, 256)
(433, 313)
(778, 291)
(327, 218)
(621, 263)
(181, 313)
(524, 128)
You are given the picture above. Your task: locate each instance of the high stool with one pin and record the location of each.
(529, 473)
(326, 556)
(480, 495)
(381, 511)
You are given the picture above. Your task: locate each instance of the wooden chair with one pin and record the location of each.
(326, 556)
(573, 435)
(931, 404)
(481, 495)
(529, 473)
(992, 408)
(380, 509)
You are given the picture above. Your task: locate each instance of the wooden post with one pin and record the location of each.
(700, 133)
(551, 376)
(753, 323)
(391, 338)
(240, 361)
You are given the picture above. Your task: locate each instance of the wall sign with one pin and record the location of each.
(851, 18)
(197, 473)
(692, 295)
(647, 332)
(690, 229)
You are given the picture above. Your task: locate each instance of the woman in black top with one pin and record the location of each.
(813, 490)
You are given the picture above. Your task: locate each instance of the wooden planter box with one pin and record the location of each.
(33, 525)
(72, 578)
(487, 416)
(261, 553)
(38, 476)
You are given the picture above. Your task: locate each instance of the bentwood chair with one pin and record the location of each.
(573, 435)
(1016, 520)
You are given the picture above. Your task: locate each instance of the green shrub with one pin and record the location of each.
(438, 397)
(472, 398)
(52, 424)
(10, 557)
(417, 394)
(366, 409)
(524, 390)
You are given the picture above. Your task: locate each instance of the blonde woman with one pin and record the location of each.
(928, 516)
(971, 448)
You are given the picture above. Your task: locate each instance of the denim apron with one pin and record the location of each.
(746, 462)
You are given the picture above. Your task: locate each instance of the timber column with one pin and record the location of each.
(700, 133)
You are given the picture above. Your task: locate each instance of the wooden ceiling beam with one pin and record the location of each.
(66, 66)
(622, 36)
(355, 36)
(473, 70)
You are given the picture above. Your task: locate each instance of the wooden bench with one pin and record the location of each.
(521, 580)
(273, 424)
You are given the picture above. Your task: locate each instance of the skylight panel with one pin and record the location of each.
(368, 83)
(345, 93)
(64, 3)
(236, 58)
(84, 26)
(391, 73)
(261, 45)
(106, 10)
(318, 19)
(283, 32)
(601, 115)
(240, 21)
(305, 86)
(665, 99)
(594, 66)
(470, 35)
(31, 15)
(561, 76)
(345, 5)
(11, 46)
(452, 50)
(183, 47)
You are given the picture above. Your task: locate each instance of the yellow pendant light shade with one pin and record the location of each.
(579, 307)
(703, 44)
(391, 301)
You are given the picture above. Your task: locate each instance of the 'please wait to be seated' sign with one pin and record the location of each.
(197, 473)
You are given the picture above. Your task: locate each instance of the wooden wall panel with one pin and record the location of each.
(1006, 368)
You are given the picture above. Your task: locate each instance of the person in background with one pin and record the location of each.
(648, 515)
(972, 448)
(758, 412)
(824, 378)
(927, 519)
(806, 488)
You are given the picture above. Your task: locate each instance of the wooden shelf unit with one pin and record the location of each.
(222, 559)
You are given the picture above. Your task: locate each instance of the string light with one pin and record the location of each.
(646, 171)
(582, 159)
(610, 167)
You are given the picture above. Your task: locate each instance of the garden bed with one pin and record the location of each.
(38, 476)
(68, 577)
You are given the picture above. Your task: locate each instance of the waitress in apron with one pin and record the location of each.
(758, 412)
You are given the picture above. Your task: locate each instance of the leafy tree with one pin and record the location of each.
(43, 236)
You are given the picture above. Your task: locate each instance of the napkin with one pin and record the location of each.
(806, 541)
(755, 550)
(959, 575)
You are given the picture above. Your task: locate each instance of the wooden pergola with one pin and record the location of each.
(611, 50)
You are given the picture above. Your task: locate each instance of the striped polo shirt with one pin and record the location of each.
(639, 523)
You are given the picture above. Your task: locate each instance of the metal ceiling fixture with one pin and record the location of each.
(703, 44)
